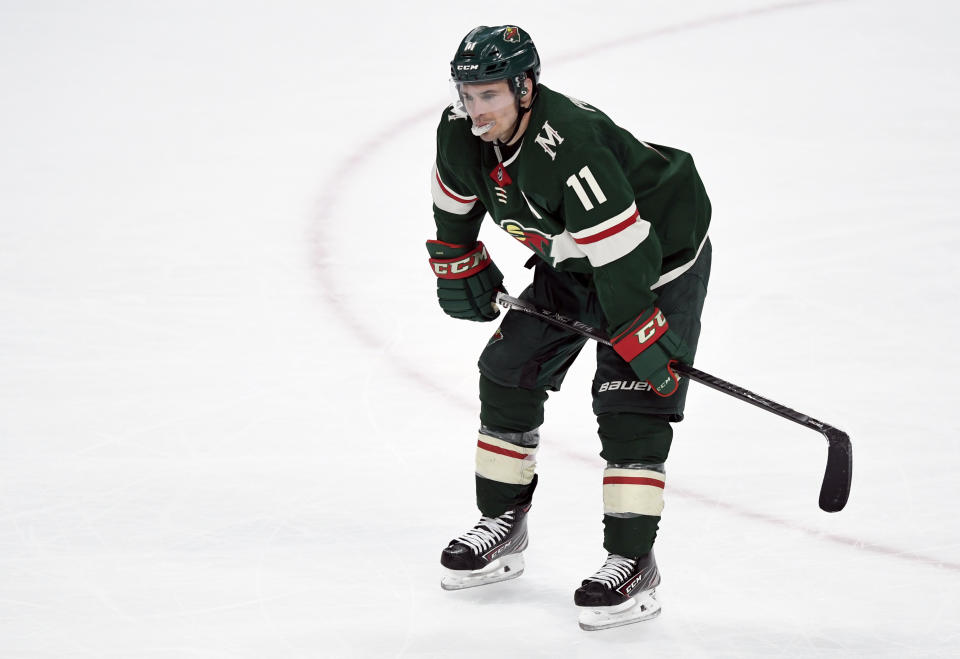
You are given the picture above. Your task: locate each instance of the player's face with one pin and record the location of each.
(490, 104)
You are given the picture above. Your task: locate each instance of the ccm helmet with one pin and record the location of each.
(504, 52)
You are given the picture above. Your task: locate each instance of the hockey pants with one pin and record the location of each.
(527, 357)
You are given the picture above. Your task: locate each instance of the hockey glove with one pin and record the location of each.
(467, 280)
(650, 347)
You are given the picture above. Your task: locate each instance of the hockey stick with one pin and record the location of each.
(835, 489)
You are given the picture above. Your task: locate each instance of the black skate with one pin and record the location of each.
(621, 592)
(489, 552)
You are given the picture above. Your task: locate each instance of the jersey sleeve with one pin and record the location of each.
(457, 211)
(599, 208)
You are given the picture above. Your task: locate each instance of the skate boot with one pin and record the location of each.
(489, 552)
(621, 592)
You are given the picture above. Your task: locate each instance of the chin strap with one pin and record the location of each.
(520, 112)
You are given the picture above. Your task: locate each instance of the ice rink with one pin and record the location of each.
(235, 424)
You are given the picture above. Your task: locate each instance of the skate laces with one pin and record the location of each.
(488, 532)
(614, 571)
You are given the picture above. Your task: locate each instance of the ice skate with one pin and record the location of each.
(621, 592)
(489, 552)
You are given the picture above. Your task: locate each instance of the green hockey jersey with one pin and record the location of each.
(582, 193)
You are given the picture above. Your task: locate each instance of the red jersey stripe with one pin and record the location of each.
(617, 228)
(455, 197)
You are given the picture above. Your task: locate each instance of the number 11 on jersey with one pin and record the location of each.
(587, 176)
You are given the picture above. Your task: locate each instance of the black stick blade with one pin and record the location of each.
(835, 489)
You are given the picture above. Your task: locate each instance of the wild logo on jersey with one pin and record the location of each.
(538, 242)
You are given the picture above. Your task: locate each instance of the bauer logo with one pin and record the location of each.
(624, 385)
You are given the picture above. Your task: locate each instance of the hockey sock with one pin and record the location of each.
(632, 503)
(635, 447)
(507, 445)
(505, 469)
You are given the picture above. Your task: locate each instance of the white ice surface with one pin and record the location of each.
(233, 422)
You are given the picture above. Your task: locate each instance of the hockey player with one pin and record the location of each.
(618, 228)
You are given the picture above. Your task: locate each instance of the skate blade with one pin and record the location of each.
(502, 569)
(636, 609)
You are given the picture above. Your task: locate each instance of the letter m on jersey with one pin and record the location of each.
(549, 139)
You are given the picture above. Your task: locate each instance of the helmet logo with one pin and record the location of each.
(470, 46)
(512, 34)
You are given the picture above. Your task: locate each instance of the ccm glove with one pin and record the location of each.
(467, 280)
(650, 347)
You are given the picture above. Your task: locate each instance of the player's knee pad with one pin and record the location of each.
(510, 409)
(507, 457)
(634, 438)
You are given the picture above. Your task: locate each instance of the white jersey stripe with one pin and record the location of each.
(510, 160)
(614, 238)
(590, 234)
(668, 277)
(446, 199)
